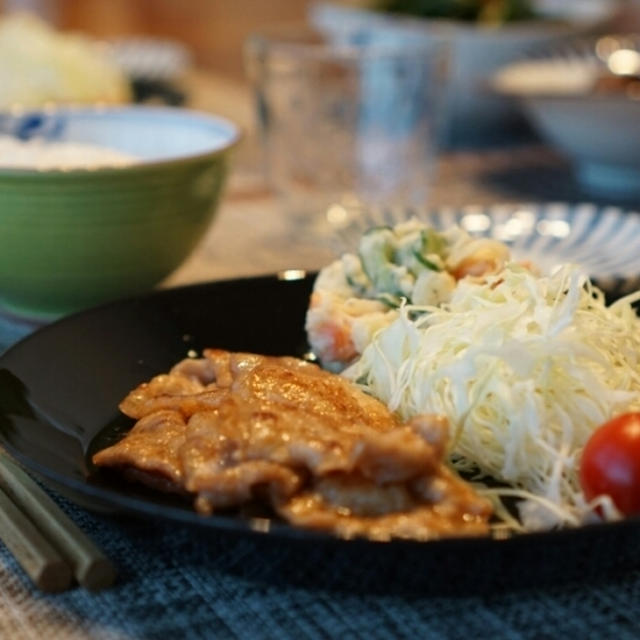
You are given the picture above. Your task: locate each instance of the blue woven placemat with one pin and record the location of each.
(175, 582)
(172, 584)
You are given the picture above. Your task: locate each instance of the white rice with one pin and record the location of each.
(43, 155)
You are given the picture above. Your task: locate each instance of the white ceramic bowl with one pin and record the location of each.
(601, 135)
(597, 129)
(474, 114)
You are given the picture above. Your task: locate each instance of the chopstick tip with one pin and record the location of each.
(97, 575)
(54, 577)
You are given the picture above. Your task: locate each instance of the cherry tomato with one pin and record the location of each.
(610, 463)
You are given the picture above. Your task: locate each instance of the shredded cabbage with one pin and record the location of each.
(39, 64)
(525, 368)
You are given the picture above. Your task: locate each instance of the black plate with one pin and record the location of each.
(59, 391)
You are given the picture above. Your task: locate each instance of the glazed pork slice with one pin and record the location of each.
(230, 428)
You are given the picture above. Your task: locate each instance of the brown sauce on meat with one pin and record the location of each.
(230, 428)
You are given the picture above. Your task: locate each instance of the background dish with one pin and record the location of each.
(50, 417)
(473, 116)
(583, 97)
(155, 66)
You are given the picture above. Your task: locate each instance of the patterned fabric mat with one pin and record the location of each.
(174, 585)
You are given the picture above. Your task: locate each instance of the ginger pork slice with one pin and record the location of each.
(230, 428)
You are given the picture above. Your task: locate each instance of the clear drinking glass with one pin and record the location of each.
(347, 124)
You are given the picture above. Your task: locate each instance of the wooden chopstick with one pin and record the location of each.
(40, 561)
(91, 568)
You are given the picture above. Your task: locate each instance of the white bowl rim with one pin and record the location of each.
(233, 132)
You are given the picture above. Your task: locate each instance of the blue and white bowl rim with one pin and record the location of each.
(208, 133)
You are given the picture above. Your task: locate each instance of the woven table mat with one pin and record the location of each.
(172, 584)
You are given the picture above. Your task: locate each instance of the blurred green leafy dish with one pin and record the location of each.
(482, 11)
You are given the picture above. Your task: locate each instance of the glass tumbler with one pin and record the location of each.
(347, 123)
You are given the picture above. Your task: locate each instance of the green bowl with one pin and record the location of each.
(73, 239)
